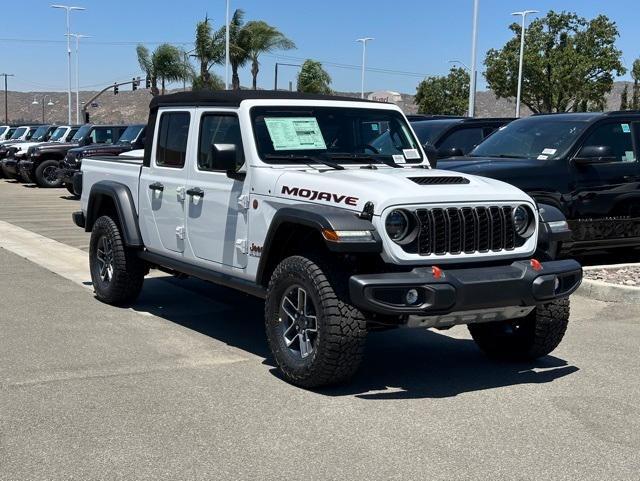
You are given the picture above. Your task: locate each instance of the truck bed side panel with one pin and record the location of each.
(117, 169)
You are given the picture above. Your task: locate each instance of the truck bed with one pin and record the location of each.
(125, 170)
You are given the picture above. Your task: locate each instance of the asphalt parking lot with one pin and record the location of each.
(181, 386)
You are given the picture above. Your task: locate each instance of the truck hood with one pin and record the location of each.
(61, 146)
(385, 187)
(487, 165)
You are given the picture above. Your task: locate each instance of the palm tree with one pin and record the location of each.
(259, 37)
(238, 48)
(165, 63)
(209, 49)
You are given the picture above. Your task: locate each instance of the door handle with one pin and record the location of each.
(195, 192)
(156, 186)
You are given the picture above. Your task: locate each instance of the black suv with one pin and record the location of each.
(584, 164)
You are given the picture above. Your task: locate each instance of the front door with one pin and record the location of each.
(216, 206)
(162, 184)
(606, 197)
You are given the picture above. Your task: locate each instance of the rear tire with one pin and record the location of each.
(117, 272)
(47, 174)
(528, 338)
(332, 330)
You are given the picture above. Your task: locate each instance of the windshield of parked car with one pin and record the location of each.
(338, 135)
(58, 134)
(539, 138)
(130, 134)
(81, 133)
(19, 133)
(3, 130)
(40, 134)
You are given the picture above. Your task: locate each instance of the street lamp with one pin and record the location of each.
(49, 104)
(68, 10)
(78, 36)
(523, 14)
(6, 100)
(364, 41)
(472, 106)
(226, 50)
(473, 71)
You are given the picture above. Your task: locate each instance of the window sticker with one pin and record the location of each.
(375, 127)
(626, 129)
(549, 151)
(398, 159)
(543, 157)
(295, 133)
(629, 156)
(411, 154)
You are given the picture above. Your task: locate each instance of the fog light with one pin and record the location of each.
(412, 296)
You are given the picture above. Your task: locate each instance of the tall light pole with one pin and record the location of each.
(364, 41)
(226, 50)
(78, 36)
(472, 73)
(523, 14)
(49, 104)
(6, 102)
(68, 10)
(186, 62)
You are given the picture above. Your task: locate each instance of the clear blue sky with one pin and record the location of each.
(415, 36)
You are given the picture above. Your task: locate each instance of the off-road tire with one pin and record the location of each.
(44, 177)
(341, 328)
(128, 269)
(528, 338)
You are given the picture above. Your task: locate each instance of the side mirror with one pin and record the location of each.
(452, 152)
(594, 154)
(226, 158)
(431, 153)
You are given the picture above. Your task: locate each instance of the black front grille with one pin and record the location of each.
(468, 229)
(439, 180)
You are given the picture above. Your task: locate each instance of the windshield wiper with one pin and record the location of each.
(313, 158)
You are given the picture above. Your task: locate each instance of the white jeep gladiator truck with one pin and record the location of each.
(283, 196)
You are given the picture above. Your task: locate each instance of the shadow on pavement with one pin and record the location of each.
(398, 364)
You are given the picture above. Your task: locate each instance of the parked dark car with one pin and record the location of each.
(584, 164)
(41, 163)
(9, 166)
(132, 138)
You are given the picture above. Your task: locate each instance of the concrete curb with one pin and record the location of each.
(605, 291)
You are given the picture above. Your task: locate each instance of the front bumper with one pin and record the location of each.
(67, 171)
(10, 165)
(467, 289)
(26, 167)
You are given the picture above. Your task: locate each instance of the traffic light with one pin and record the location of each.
(147, 82)
(134, 84)
(115, 89)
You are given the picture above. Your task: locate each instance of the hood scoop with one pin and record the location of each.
(439, 180)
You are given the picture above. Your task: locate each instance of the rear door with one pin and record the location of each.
(162, 184)
(606, 198)
(216, 214)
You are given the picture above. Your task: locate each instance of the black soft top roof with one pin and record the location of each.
(230, 98)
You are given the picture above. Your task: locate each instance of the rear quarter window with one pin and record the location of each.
(173, 132)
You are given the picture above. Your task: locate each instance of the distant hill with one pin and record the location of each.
(132, 107)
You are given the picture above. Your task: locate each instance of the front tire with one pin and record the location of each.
(117, 272)
(316, 337)
(47, 174)
(528, 338)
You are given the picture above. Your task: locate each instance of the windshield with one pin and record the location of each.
(82, 132)
(3, 130)
(429, 130)
(19, 133)
(40, 134)
(130, 134)
(340, 135)
(58, 134)
(531, 138)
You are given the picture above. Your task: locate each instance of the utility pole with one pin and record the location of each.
(364, 41)
(78, 36)
(6, 102)
(68, 10)
(472, 73)
(226, 51)
(523, 14)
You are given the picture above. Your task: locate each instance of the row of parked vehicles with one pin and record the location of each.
(48, 155)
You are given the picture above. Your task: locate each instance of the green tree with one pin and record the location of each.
(238, 45)
(166, 64)
(569, 63)
(624, 98)
(635, 75)
(444, 95)
(209, 50)
(259, 37)
(313, 78)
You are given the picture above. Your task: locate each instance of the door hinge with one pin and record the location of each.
(241, 245)
(243, 201)
(180, 192)
(180, 232)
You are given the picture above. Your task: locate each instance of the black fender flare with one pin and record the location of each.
(551, 236)
(125, 207)
(320, 218)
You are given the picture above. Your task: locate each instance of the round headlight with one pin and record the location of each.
(522, 220)
(397, 225)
